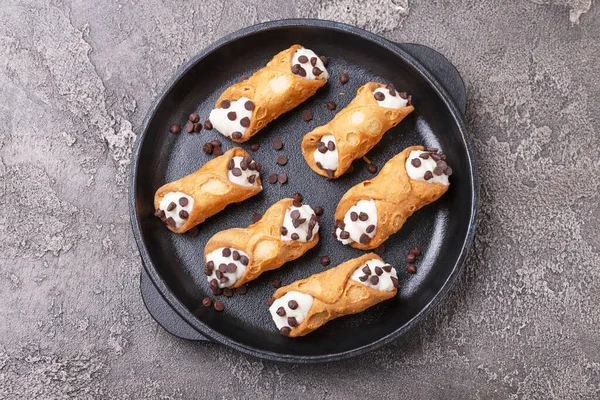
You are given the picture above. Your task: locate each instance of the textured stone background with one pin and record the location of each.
(76, 79)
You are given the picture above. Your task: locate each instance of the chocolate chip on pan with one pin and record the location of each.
(194, 117)
(175, 128)
(277, 144)
(306, 115)
(219, 305)
(344, 78)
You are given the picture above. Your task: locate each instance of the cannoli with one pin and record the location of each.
(291, 77)
(238, 255)
(375, 209)
(349, 288)
(330, 149)
(188, 201)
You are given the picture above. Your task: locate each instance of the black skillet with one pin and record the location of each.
(173, 284)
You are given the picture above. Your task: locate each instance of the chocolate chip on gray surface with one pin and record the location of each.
(225, 104)
(363, 216)
(344, 78)
(303, 59)
(183, 214)
(374, 280)
(379, 96)
(194, 117)
(292, 321)
(215, 143)
(236, 172)
(282, 178)
(249, 105)
(410, 258)
(254, 147)
(415, 162)
(415, 250)
(372, 168)
(207, 302)
(217, 151)
(207, 148)
(411, 268)
(242, 289)
(325, 261)
(428, 175)
(324, 60)
(272, 178)
(282, 160)
(197, 128)
(256, 217)
(378, 270)
(280, 311)
(285, 331)
(245, 122)
(189, 127)
(277, 144)
(306, 115)
(319, 211)
(219, 305)
(175, 128)
(171, 206)
(292, 304)
(159, 213)
(216, 291)
(194, 232)
(276, 283)
(380, 249)
(331, 105)
(208, 125)
(227, 292)
(226, 252)
(295, 236)
(370, 228)
(448, 171)
(270, 301)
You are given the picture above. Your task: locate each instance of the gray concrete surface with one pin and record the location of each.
(76, 79)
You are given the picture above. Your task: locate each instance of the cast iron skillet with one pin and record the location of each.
(444, 229)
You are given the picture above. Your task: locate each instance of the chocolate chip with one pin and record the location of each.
(282, 160)
(439, 171)
(295, 214)
(245, 163)
(242, 289)
(312, 222)
(270, 301)
(306, 115)
(217, 151)
(415, 162)
(227, 292)
(324, 60)
(435, 157)
(403, 95)
(424, 156)
(208, 125)
(175, 129)
(411, 268)
(235, 255)
(276, 283)
(284, 231)
(258, 167)
(225, 104)
(370, 228)
(387, 268)
(353, 216)
(322, 148)
(208, 148)
(374, 280)
(249, 105)
(183, 201)
(230, 164)
(171, 206)
(254, 147)
(219, 272)
(193, 232)
(245, 122)
(378, 270)
(297, 197)
(366, 270)
(363, 278)
(344, 235)
(428, 175)
(394, 281)
(159, 213)
(231, 268)
(303, 59)
(213, 284)
(319, 211)
(244, 260)
(207, 271)
(292, 321)
(380, 249)
(272, 178)
(432, 149)
(207, 302)
(189, 127)
(331, 105)
(282, 178)
(344, 78)
(194, 117)
(183, 214)
(256, 217)
(277, 144)
(219, 305)
(296, 69)
(372, 168)
(391, 89)
(363, 216)
(236, 172)
(226, 252)
(231, 116)
(215, 143)
(224, 279)
(448, 171)
(280, 311)
(313, 61)
(295, 236)
(416, 251)
(210, 265)
(302, 72)
(379, 96)
(442, 164)
(217, 291)
(292, 304)
(410, 258)
(243, 78)
(364, 239)
(298, 222)
(285, 331)
(316, 71)
(325, 261)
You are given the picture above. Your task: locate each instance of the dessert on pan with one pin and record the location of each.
(187, 202)
(291, 77)
(349, 288)
(330, 149)
(374, 209)
(285, 232)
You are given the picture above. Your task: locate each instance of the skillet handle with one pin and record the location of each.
(445, 72)
(163, 314)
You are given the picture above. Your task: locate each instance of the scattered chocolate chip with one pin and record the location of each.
(270, 301)
(236, 172)
(424, 156)
(364, 238)
(280, 311)
(372, 168)
(380, 249)
(272, 178)
(245, 122)
(171, 206)
(428, 175)
(219, 305)
(411, 268)
(303, 59)
(331, 105)
(292, 304)
(217, 291)
(249, 105)
(285, 331)
(193, 232)
(378, 270)
(387, 268)
(230, 164)
(344, 78)
(256, 217)
(194, 117)
(183, 214)
(306, 115)
(415, 162)
(319, 211)
(366, 270)
(159, 213)
(244, 260)
(207, 302)
(325, 261)
(225, 104)
(281, 159)
(316, 71)
(242, 289)
(207, 148)
(439, 171)
(189, 127)
(324, 60)
(416, 251)
(175, 129)
(363, 216)
(208, 125)
(292, 321)
(374, 280)
(432, 149)
(344, 235)
(277, 144)
(282, 178)
(226, 252)
(197, 128)
(276, 283)
(448, 171)
(379, 96)
(370, 228)
(353, 216)
(254, 147)
(217, 151)
(231, 116)
(215, 143)
(410, 258)
(227, 292)
(295, 236)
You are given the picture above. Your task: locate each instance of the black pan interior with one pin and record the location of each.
(175, 261)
